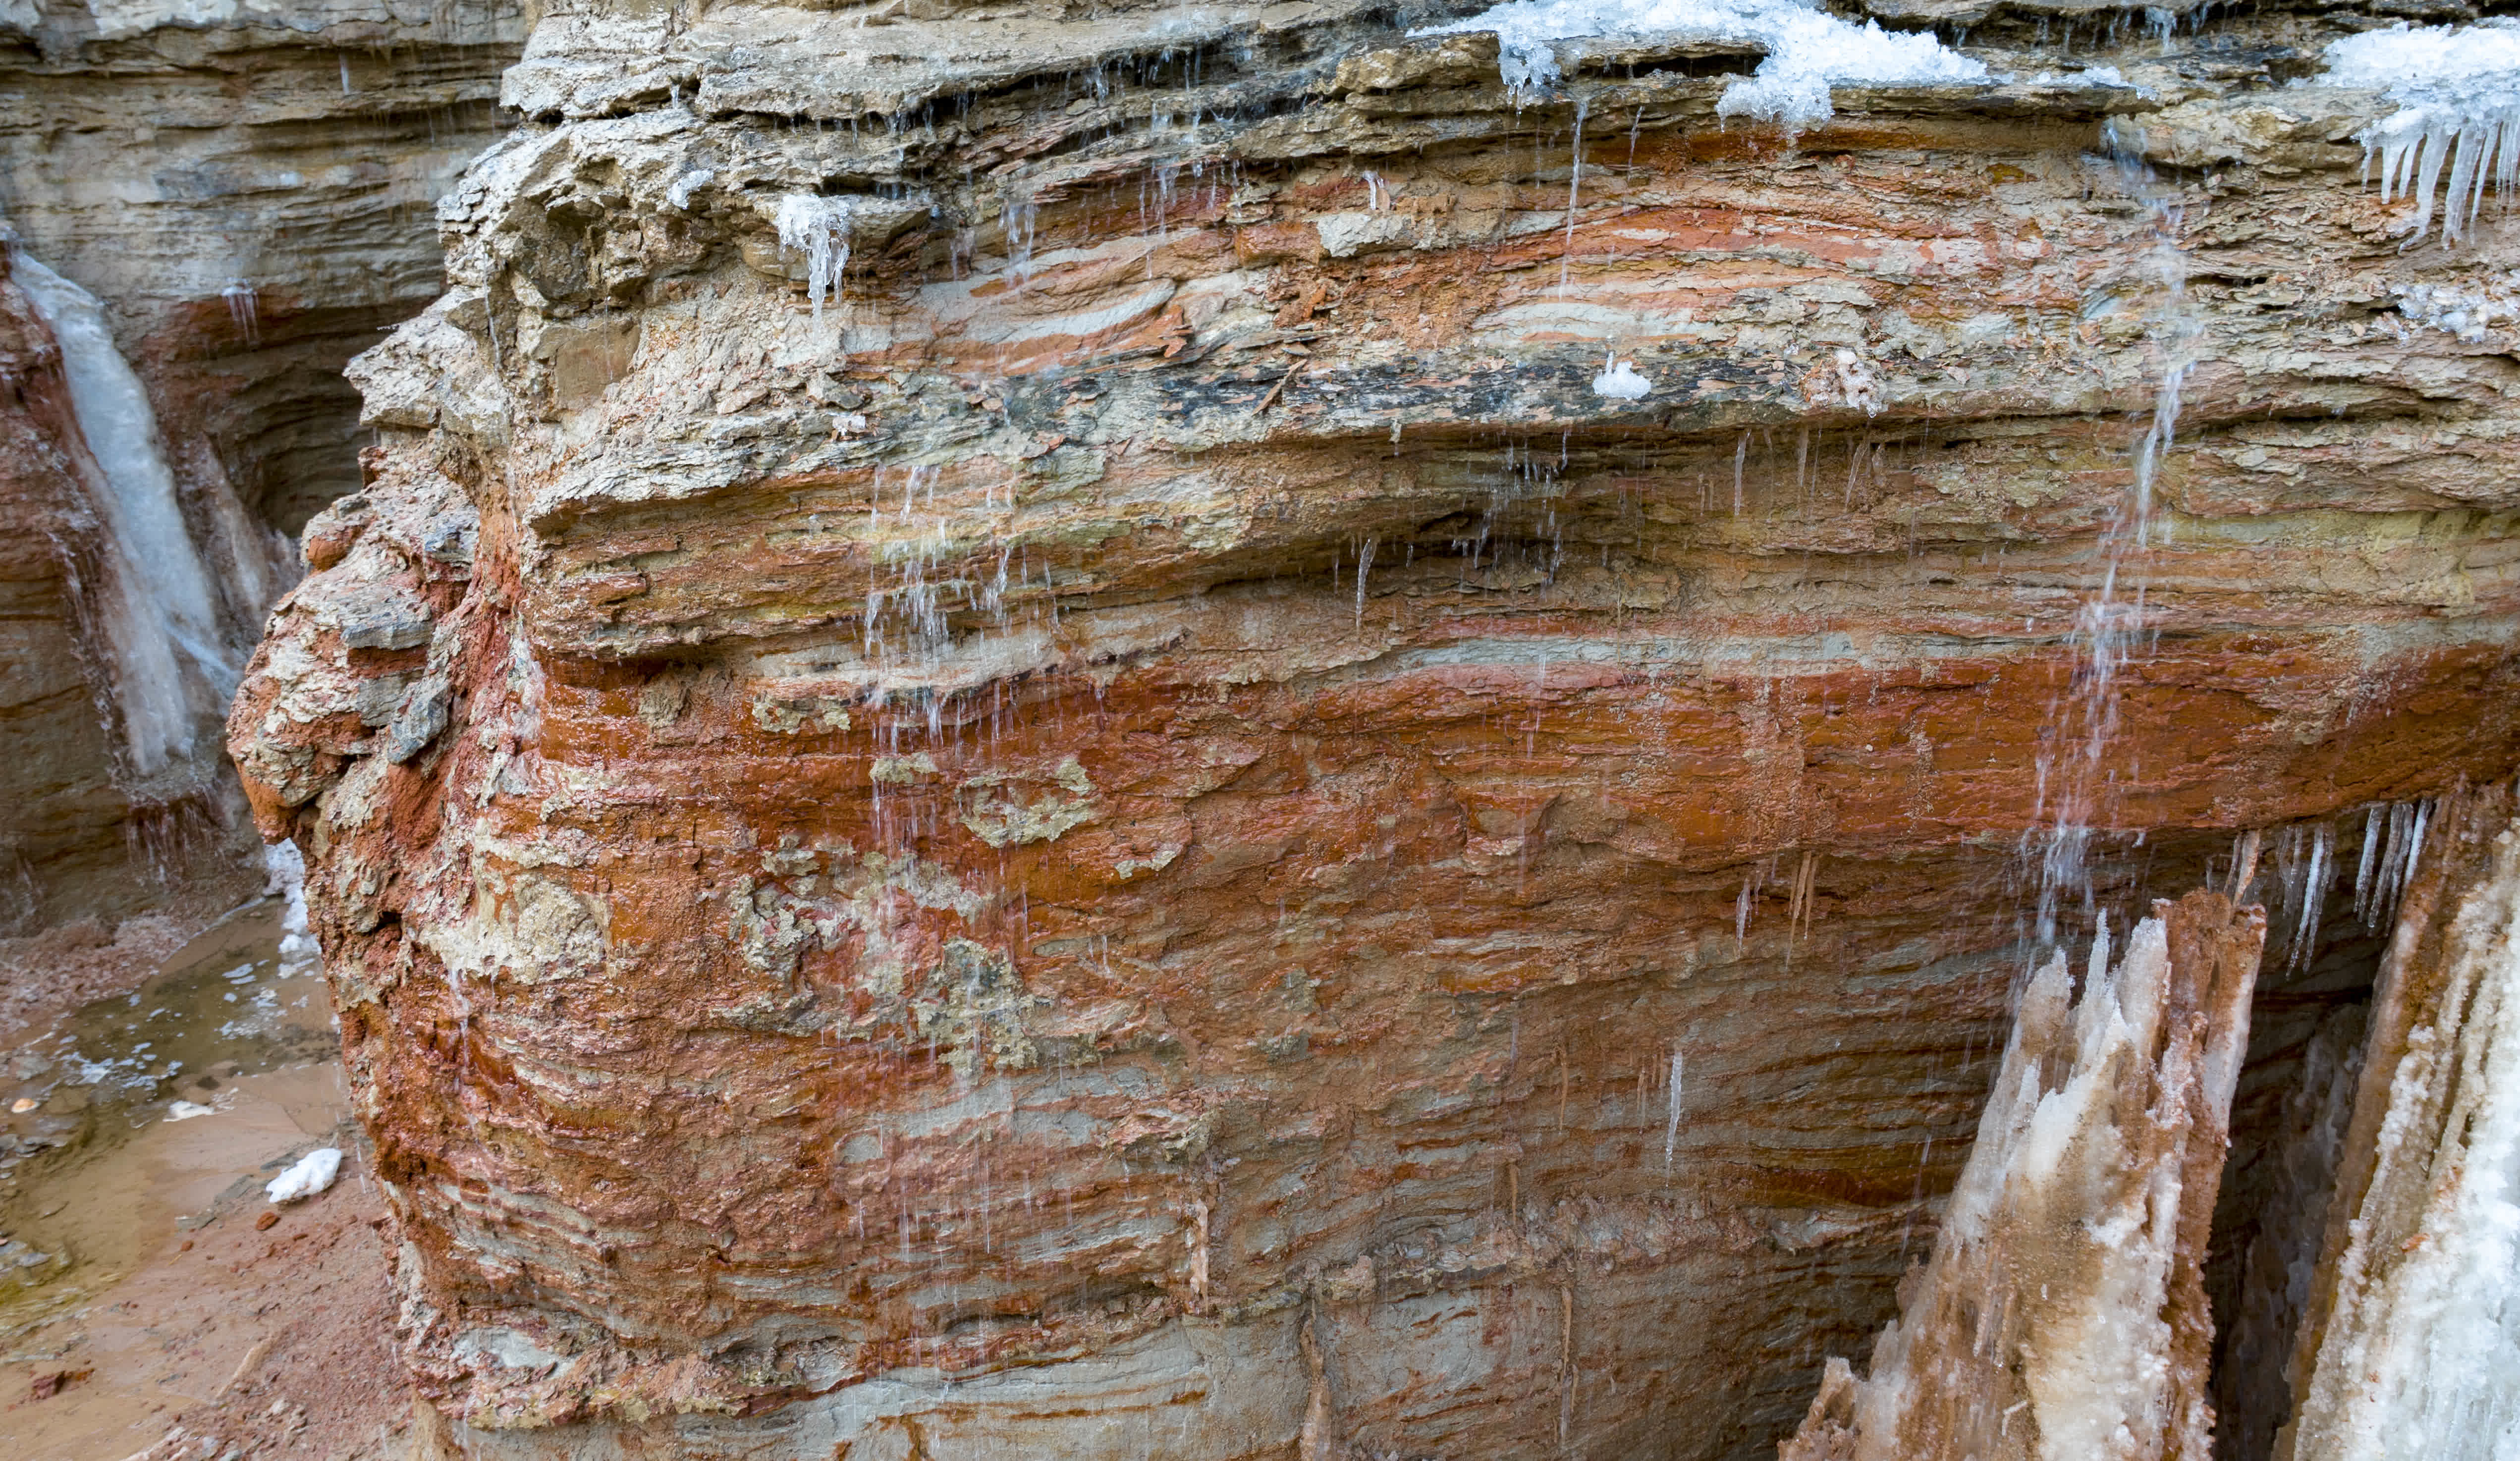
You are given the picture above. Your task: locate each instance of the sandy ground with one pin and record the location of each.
(221, 1338)
(184, 1327)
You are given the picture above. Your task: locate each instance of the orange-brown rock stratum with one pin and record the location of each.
(1102, 807)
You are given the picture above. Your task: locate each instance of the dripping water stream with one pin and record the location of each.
(2079, 767)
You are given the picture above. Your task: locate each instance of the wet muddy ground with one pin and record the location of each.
(153, 1302)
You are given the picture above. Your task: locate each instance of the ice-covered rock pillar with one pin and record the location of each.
(2412, 1344)
(2062, 1316)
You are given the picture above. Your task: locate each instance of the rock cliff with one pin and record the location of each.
(246, 189)
(1174, 731)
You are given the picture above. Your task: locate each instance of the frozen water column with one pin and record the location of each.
(2062, 1316)
(2411, 1344)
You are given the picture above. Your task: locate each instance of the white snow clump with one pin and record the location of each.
(819, 228)
(1619, 382)
(1807, 48)
(2457, 91)
(1858, 383)
(313, 1174)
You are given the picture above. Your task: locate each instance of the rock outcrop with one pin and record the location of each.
(248, 189)
(1024, 743)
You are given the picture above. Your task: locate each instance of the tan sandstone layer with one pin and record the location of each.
(1154, 831)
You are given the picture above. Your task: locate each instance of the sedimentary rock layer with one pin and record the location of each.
(1099, 803)
(249, 190)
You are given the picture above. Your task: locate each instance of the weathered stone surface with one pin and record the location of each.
(247, 190)
(1107, 844)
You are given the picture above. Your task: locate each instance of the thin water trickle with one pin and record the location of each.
(2074, 770)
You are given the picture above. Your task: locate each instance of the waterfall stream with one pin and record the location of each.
(162, 624)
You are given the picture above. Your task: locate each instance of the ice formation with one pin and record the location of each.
(2420, 1355)
(1619, 382)
(285, 878)
(2063, 1316)
(818, 228)
(161, 626)
(1858, 383)
(1807, 49)
(313, 1174)
(679, 196)
(2457, 91)
(2464, 313)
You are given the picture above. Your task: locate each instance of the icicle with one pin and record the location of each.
(1671, 1113)
(243, 309)
(2368, 868)
(2314, 898)
(818, 228)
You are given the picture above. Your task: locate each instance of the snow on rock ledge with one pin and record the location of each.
(1807, 49)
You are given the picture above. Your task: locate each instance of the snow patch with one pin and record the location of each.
(2464, 313)
(313, 1174)
(679, 196)
(2457, 91)
(1858, 383)
(1808, 50)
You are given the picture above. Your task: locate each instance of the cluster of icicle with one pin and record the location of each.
(1807, 48)
(819, 229)
(2062, 1315)
(2457, 92)
(2419, 1355)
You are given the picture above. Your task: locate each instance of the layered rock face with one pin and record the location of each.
(1020, 747)
(247, 190)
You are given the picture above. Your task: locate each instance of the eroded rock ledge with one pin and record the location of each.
(1153, 829)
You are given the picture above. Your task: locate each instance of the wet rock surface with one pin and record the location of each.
(1099, 805)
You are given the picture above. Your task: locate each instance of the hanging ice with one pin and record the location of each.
(1807, 49)
(2063, 1316)
(2419, 1351)
(818, 228)
(161, 627)
(2457, 92)
(285, 878)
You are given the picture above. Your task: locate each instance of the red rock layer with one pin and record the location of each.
(1155, 832)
